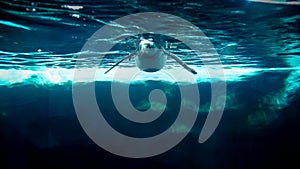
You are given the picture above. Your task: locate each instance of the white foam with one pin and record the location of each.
(57, 76)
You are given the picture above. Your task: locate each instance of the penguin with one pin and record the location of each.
(151, 57)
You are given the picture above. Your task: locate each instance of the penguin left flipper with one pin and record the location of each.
(173, 56)
(126, 57)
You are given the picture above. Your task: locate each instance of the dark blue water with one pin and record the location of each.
(258, 46)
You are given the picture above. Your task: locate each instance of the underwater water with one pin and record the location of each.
(42, 45)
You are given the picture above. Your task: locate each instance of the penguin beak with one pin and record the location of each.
(143, 48)
(145, 45)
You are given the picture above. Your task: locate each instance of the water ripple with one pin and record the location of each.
(51, 35)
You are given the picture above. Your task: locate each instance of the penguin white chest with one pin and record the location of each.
(151, 60)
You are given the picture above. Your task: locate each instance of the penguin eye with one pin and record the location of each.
(150, 45)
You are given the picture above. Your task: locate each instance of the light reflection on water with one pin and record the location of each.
(42, 42)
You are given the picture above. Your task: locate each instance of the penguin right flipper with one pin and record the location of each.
(173, 56)
(126, 57)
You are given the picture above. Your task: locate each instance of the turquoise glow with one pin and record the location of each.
(12, 24)
(57, 76)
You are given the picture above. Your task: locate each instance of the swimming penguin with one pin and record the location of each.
(151, 58)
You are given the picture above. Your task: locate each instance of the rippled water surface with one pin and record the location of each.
(47, 36)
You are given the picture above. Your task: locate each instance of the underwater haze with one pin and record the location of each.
(257, 47)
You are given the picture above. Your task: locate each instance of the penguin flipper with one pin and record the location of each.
(173, 56)
(120, 61)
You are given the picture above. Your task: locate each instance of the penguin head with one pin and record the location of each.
(147, 47)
